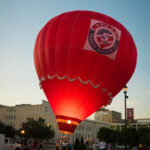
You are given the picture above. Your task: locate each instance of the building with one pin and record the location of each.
(141, 123)
(108, 116)
(138, 123)
(88, 130)
(15, 115)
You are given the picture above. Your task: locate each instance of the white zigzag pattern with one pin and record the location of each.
(70, 79)
(77, 78)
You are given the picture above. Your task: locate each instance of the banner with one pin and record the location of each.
(130, 115)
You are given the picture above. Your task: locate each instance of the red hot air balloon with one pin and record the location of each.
(82, 59)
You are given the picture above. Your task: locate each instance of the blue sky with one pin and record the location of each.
(20, 22)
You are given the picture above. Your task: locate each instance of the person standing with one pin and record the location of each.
(70, 146)
(57, 145)
(35, 145)
(102, 145)
(135, 147)
(108, 146)
(30, 145)
(64, 145)
(40, 147)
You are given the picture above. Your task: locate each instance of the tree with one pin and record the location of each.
(77, 144)
(145, 138)
(144, 135)
(37, 129)
(9, 131)
(126, 136)
(82, 144)
(131, 136)
(107, 134)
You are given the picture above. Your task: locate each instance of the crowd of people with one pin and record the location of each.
(102, 145)
(31, 145)
(64, 144)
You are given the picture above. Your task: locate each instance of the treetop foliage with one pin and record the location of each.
(9, 131)
(131, 136)
(37, 129)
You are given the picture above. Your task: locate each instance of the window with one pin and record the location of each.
(88, 128)
(46, 109)
(6, 141)
(85, 136)
(79, 127)
(82, 127)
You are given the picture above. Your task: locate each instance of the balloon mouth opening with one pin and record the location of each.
(67, 124)
(65, 132)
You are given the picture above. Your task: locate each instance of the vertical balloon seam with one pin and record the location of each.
(47, 49)
(40, 53)
(82, 64)
(69, 52)
(36, 53)
(56, 41)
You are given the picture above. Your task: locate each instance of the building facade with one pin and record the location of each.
(108, 116)
(138, 123)
(16, 115)
(88, 129)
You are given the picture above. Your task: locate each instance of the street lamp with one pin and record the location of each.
(125, 88)
(22, 134)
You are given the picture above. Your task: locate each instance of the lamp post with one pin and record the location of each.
(125, 88)
(22, 134)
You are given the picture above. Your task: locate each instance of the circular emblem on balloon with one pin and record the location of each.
(103, 38)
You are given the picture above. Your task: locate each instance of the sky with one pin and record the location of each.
(20, 22)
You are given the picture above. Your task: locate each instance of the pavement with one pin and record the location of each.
(50, 148)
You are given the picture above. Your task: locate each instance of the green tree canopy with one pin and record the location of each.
(144, 135)
(9, 131)
(107, 134)
(131, 136)
(37, 129)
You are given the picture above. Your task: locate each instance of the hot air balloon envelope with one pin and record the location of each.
(82, 59)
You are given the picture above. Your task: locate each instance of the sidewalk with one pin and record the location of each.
(50, 148)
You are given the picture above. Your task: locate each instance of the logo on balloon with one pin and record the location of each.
(103, 38)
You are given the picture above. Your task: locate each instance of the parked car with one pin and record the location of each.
(10, 144)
